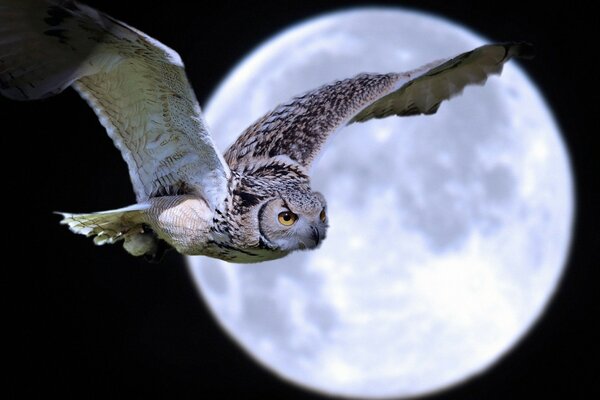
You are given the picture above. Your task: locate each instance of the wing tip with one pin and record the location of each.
(63, 215)
(519, 49)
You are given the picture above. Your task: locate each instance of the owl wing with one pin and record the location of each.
(299, 128)
(136, 85)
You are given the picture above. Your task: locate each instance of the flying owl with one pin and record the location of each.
(253, 203)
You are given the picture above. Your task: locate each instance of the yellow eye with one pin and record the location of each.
(287, 218)
(323, 215)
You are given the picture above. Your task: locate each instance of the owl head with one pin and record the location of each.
(294, 220)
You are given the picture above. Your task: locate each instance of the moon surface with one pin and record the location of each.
(448, 233)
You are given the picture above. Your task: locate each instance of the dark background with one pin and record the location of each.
(92, 321)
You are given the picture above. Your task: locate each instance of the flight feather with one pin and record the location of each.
(299, 128)
(136, 85)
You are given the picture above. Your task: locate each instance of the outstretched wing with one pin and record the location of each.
(136, 85)
(299, 128)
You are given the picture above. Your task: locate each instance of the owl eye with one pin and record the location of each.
(287, 218)
(323, 215)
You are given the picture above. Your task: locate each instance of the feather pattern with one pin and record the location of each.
(259, 206)
(136, 85)
(299, 128)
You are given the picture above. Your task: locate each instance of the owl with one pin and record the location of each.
(254, 202)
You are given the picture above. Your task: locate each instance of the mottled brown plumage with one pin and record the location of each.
(253, 204)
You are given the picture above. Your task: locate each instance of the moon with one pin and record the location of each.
(448, 233)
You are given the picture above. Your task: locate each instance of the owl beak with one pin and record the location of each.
(315, 236)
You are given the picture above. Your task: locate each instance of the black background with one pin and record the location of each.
(92, 321)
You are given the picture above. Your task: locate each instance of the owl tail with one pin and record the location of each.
(112, 226)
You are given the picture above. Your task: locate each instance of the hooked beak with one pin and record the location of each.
(315, 236)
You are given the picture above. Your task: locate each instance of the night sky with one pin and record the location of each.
(85, 321)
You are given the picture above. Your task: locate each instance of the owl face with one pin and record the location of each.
(294, 221)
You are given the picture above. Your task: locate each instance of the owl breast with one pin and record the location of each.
(242, 256)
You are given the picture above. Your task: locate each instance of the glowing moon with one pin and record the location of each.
(448, 232)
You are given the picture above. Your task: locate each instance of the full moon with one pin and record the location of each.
(448, 233)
